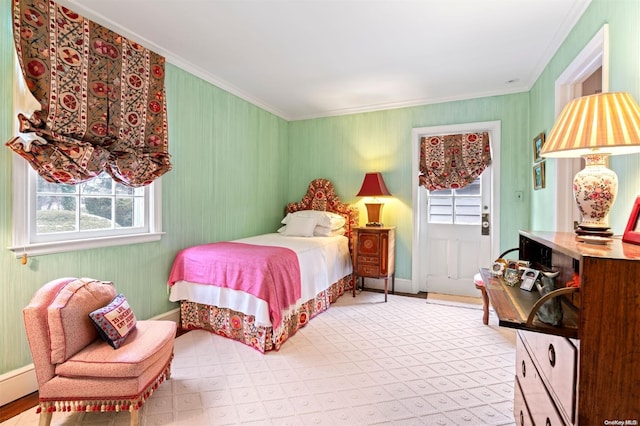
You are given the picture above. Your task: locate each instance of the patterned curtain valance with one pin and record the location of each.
(102, 99)
(453, 161)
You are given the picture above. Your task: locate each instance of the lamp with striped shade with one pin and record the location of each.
(594, 127)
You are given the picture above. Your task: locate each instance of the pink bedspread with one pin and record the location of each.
(269, 273)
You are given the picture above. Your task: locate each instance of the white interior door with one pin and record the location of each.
(445, 257)
(456, 246)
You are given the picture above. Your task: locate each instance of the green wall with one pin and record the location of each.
(235, 167)
(230, 169)
(623, 17)
(344, 148)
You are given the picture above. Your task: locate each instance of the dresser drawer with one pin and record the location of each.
(542, 409)
(520, 411)
(556, 358)
(364, 270)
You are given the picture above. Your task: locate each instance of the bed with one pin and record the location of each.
(302, 269)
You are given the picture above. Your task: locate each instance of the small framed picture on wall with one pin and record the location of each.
(538, 175)
(538, 141)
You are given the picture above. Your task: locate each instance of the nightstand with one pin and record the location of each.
(375, 255)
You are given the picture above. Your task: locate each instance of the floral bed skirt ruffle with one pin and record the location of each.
(243, 328)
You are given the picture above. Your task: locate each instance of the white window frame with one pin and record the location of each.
(453, 196)
(24, 196)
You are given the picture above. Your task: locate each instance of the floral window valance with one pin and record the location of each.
(453, 161)
(102, 99)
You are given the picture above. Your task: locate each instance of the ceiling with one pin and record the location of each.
(313, 58)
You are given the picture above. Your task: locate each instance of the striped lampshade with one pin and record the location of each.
(607, 122)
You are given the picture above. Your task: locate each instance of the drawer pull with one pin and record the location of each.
(548, 422)
(521, 418)
(552, 355)
(524, 369)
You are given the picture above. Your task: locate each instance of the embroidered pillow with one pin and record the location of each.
(115, 321)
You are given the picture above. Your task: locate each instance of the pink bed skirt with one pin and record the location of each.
(241, 327)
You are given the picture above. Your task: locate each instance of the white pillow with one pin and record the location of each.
(323, 231)
(327, 219)
(300, 226)
(320, 231)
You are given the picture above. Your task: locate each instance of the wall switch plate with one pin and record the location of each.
(519, 195)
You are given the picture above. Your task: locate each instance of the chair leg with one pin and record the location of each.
(134, 417)
(45, 418)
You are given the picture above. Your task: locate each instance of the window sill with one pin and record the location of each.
(76, 245)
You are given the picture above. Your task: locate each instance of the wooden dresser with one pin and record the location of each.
(375, 255)
(587, 371)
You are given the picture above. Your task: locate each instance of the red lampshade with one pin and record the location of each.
(373, 186)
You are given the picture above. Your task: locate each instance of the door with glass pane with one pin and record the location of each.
(456, 246)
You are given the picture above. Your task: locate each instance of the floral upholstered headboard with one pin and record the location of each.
(321, 196)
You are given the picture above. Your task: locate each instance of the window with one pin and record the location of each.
(456, 206)
(52, 218)
(95, 208)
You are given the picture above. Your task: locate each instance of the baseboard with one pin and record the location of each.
(402, 285)
(18, 383)
(172, 315)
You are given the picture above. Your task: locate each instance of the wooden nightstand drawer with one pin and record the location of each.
(368, 270)
(370, 260)
(369, 243)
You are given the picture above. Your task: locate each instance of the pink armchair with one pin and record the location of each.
(77, 370)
